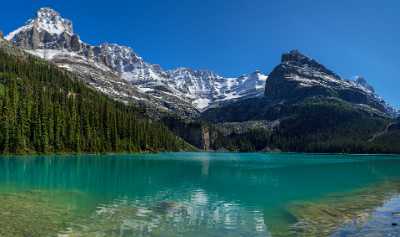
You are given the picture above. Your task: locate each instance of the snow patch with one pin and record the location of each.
(201, 103)
(145, 90)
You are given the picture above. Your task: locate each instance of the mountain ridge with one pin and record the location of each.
(46, 36)
(124, 75)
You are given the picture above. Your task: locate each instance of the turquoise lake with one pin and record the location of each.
(200, 194)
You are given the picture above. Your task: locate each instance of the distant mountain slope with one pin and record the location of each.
(298, 76)
(295, 79)
(119, 72)
(45, 109)
(307, 108)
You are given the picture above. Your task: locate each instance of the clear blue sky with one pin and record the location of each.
(233, 37)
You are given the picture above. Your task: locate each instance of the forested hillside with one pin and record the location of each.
(44, 109)
(313, 125)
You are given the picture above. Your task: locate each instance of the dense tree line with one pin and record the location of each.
(322, 125)
(319, 125)
(249, 141)
(44, 109)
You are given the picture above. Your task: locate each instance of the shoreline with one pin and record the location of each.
(199, 152)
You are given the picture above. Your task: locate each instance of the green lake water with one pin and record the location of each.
(200, 194)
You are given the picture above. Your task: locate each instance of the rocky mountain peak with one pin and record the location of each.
(298, 61)
(51, 21)
(299, 77)
(47, 31)
(293, 56)
(362, 82)
(116, 48)
(258, 73)
(47, 12)
(121, 53)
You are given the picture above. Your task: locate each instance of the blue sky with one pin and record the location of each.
(234, 37)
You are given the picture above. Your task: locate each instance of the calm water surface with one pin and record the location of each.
(198, 194)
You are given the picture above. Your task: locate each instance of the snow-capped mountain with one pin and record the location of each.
(298, 76)
(204, 87)
(122, 74)
(47, 30)
(119, 72)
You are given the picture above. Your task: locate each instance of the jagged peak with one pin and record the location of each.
(47, 19)
(120, 51)
(293, 55)
(256, 74)
(47, 12)
(298, 59)
(259, 75)
(51, 21)
(360, 80)
(117, 48)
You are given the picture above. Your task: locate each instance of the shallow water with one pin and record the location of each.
(199, 194)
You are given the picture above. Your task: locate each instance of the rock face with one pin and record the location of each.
(298, 77)
(47, 30)
(119, 72)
